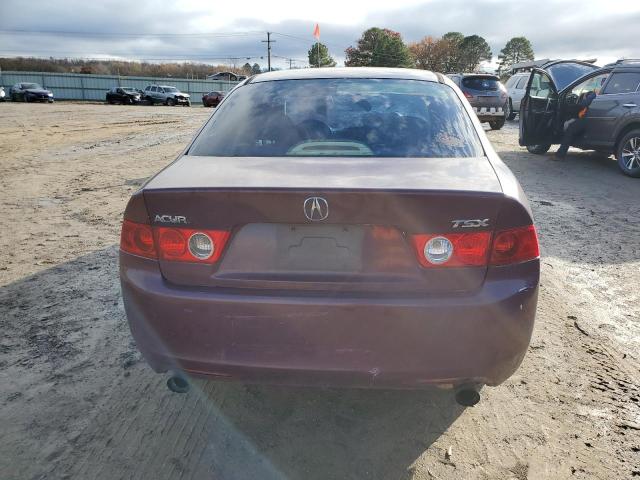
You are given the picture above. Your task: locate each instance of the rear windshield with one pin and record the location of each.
(340, 117)
(481, 83)
(565, 73)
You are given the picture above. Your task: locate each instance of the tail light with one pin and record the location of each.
(515, 246)
(187, 245)
(468, 95)
(477, 249)
(173, 244)
(137, 239)
(452, 249)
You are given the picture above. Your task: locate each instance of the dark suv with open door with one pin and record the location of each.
(612, 122)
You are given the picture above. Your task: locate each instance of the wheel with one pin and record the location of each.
(25, 98)
(188, 104)
(509, 113)
(628, 154)
(128, 101)
(14, 97)
(497, 124)
(538, 149)
(171, 101)
(150, 100)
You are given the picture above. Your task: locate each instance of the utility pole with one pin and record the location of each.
(290, 63)
(268, 41)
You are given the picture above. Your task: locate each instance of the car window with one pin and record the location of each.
(541, 86)
(565, 73)
(481, 83)
(593, 84)
(340, 117)
(623, 82)
(154, 89)
(147, 88)
(522, 83)
(169, 89)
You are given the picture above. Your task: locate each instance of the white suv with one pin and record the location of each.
(516, 87)
(166, 95)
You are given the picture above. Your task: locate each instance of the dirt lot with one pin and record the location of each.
(77, 401)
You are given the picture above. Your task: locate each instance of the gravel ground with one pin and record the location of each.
(78, 402)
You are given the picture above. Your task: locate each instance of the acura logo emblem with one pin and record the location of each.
(316, 209)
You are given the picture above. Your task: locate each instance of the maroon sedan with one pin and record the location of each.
(334, 227)
(212, 99)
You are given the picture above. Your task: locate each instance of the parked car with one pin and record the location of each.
(212, 99)
(3, 95)
(337, 226)
(613, 118)
(123, 95)
(227, 77)
(30, 92)
(516, 86)
(166, 95)
(486, 94)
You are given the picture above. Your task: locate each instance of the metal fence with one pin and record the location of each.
(76, 86)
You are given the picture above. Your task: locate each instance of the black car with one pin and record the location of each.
(613, 118)
(123, 95)
(30, 92)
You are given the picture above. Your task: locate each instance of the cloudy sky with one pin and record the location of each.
(231, 31)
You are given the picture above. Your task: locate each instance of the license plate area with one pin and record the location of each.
(319, 248)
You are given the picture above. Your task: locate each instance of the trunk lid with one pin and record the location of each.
(363, 245)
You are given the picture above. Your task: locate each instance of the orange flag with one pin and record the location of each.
(316, 32)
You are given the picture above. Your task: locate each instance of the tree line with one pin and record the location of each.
(115, 67)
(453, 52)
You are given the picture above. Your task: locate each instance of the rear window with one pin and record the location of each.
(481, 83)
(565, 73)
(623, 83)
(340, 118)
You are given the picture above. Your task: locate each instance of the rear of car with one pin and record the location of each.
(212, 99)
(487, 96)
(334, 227)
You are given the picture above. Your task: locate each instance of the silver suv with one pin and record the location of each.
(166, 95)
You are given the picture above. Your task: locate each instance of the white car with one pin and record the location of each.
(516, 88)
(3, 95)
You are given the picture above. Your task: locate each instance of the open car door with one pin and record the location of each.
(538, 109)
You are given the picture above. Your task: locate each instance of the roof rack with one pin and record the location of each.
(623, 61)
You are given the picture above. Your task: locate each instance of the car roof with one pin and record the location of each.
(346, 72)
(488, 75)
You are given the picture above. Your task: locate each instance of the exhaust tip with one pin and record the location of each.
(467, 396)
(178, 384)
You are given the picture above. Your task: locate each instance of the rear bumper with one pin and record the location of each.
(489, 112)
(319, 340)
